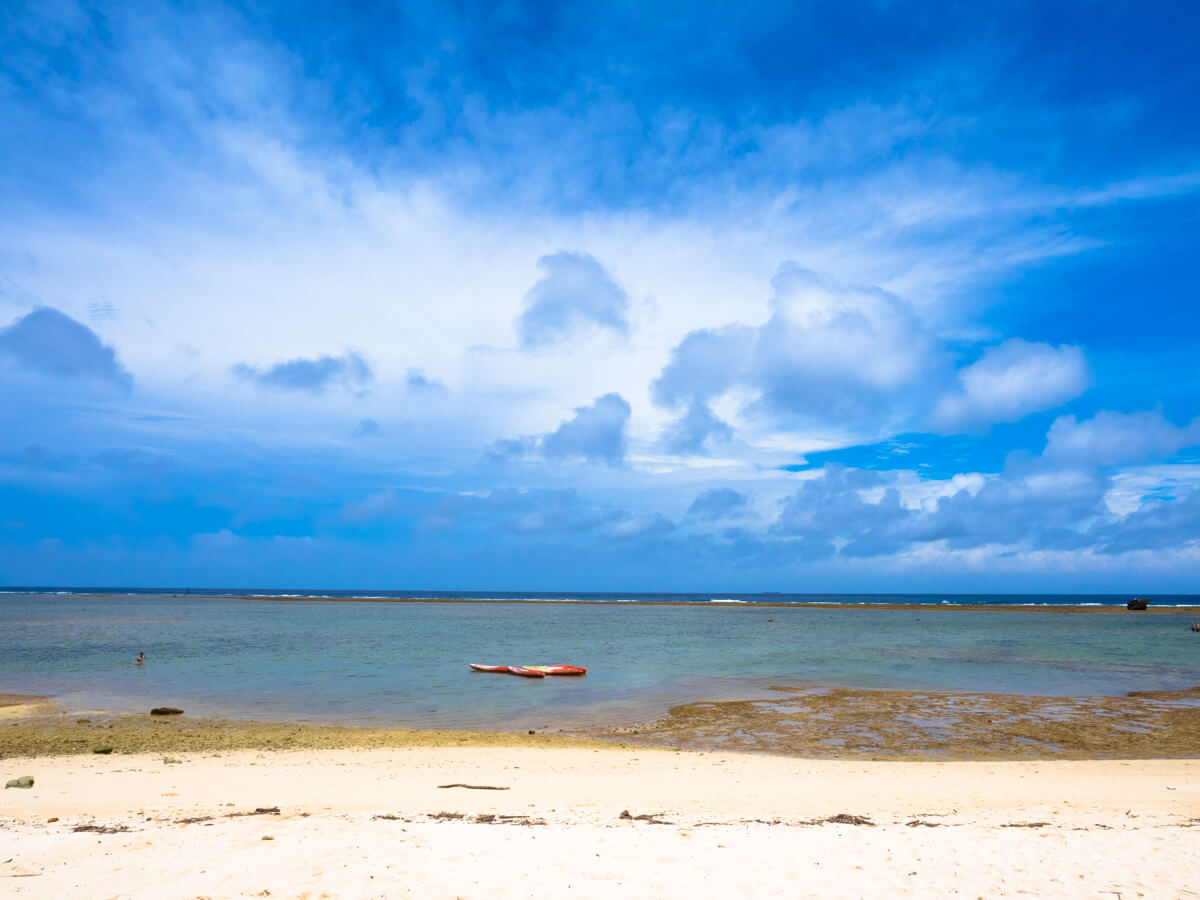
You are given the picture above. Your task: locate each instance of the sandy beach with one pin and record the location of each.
(473, 821)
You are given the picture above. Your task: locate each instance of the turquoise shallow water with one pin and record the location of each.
(405, 663)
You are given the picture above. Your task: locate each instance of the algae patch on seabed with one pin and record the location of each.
(931, 724)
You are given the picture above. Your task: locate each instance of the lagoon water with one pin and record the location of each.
(404, 664)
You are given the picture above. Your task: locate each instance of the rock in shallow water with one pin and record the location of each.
(166, 711)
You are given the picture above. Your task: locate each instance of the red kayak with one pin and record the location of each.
(528, 673)
(513, 670)
(560, 670)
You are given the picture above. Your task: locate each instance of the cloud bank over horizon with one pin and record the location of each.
(476, 298)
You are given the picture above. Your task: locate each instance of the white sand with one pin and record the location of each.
(1115, 828)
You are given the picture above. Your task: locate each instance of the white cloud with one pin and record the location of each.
(1131, 487)
(1011, 381)
(574, 294)
(827, 355)
(257, 240)
(1113, 438)
(833, 351)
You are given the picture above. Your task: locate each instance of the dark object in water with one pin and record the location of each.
(1196, 626)
(166, 711)
(1137, 603)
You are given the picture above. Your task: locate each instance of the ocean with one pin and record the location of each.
(241, 655)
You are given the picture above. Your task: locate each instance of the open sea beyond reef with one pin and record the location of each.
(238, 654)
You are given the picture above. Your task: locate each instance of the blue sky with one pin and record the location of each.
(792, 297)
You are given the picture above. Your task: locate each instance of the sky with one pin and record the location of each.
(801, 297)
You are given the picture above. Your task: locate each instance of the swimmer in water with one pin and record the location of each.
(141, 657)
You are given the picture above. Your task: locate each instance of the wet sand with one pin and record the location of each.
(813, 723)
(71, 733)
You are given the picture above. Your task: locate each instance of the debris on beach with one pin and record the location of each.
(652, 818)
(1138, 603)
(25, 781)
(847, 819)
(166, 711)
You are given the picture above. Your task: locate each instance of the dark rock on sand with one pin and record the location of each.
(166, 711)
(1138, 603)
(847, 819)
(25, 781)
(103, 750)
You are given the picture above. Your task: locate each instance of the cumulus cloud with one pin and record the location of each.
(831, 352)
(855, 357)
(1112, 438)
(696, 430)
(705, 364)
(1029, 504)
(1157, 525)
(827, 353)
(832, 507)
(574, 294)
(1012, 380)
(311, 375)
(717, 503)
(595, 433)
(52, 343)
